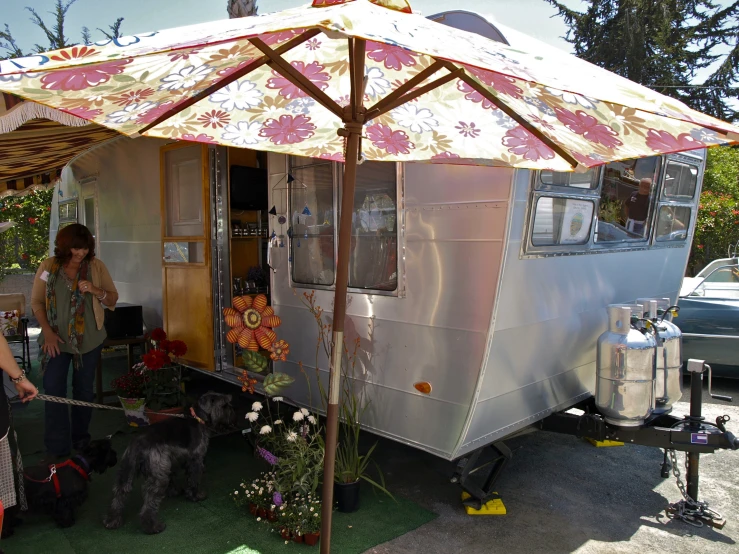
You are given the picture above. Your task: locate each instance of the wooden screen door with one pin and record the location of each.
(186, 268)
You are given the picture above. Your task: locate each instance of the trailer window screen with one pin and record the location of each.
(312, 221)
(374, 264)
(681, 181)
(587, 180)
(562, 221)
(626, 200)
(672, 223)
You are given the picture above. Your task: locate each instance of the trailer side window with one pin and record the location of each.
(672, 223)
(587, 180)
(312, 221)
(626, 200)
(374, 264)
(681, 180)
(562, 221)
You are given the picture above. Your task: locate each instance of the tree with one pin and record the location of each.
(241, 8)
(55, 33)
(662, 44)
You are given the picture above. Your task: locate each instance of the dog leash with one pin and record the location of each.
(59, 400)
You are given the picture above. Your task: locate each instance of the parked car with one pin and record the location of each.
(709, 316)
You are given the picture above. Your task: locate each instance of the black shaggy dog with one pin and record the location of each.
(60, 493)
(160, 450)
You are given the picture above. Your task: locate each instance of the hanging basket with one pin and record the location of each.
(134, 409)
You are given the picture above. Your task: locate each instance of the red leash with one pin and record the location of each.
(53, 468)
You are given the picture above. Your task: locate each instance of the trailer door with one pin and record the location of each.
(186, 268)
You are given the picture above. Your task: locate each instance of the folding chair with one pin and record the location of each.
(16, 302)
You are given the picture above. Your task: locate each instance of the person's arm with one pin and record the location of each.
(38, 306)
(106, 293)
(26, 390)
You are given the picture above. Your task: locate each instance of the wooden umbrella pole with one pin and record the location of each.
(352, 131)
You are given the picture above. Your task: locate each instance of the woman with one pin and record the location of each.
(69, 292)
(26, 392)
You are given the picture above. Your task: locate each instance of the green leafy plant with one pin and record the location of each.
(25, 245)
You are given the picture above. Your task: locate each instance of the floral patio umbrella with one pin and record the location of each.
(344, 77)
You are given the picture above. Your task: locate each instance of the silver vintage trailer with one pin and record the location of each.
(478, 294)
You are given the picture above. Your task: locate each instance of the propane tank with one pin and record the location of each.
(668, 383)
(625, 380)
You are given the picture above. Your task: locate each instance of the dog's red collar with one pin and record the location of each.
(196, 418)
(53, 468)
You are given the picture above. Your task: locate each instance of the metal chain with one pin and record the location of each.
(688, 510)
(47, 398)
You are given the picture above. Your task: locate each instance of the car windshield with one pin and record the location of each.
(722, 282)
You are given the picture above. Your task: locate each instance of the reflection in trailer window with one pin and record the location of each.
(681, 180)
(626, 200)
(373, 263)
(672, 223)
(587, 180)
(312, 221)
(561, 221)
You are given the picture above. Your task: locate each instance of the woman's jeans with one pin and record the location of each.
(58, 437)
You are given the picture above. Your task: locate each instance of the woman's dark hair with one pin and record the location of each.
(73, 236)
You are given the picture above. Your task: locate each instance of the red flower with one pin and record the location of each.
(179, 348)
(132, 96)
(700, 246)
(587, 126)
(586, 160)
(313, 72)
(155, 359)
(25, 255)
(32, 220)
(165, 345)
(445, 156)
(712, 214)
(84, 113)
(158, 334)
(150, 116)
(288, 130)
(202, 137)
(282, 36)
(215, 119)
(523, 143)
(393, 142)
(80, 78)
(336, 156)
(662, 141)
(74, 53)
(394, 57)
(500, 83)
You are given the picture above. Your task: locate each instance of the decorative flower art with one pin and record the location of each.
(251, 322)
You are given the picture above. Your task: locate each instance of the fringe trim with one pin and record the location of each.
(26, 111)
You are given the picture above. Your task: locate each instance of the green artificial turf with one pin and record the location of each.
(215, 525)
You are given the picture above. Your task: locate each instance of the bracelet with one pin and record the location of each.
(101, 298)
(20, 378)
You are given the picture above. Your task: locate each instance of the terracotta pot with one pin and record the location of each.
(347, 496)
(311, 539)
(261, 512)
(271, 516)
(253, 509)
(297, 537)
(285, 533)
(156, 417)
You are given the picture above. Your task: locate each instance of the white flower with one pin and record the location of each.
(291, 436)
(185, 78)
(243, 133)
(573, 98)
(376, 82)
(298, 416)
(304, 411)
(265, 430)
(312, 419)
(236, 492)
(277, 399)
(130, 112)
(278, 422)
(252, 416)
(311, 508)
(256, 406)
(237, 96)
(259, 519)
(415, 119)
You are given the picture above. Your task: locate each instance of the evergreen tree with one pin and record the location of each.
(55, 33)
(662, 44)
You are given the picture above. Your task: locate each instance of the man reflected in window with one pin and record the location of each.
(637, 207)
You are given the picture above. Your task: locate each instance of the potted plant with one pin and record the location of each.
(310, 522)
(130, 390)
(163, 389)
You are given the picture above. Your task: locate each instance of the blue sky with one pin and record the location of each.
(533, 17)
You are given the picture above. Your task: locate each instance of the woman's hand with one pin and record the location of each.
(87, 286)
(51, 343)
(26, 390)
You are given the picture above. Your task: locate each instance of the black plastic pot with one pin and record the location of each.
(347, 496)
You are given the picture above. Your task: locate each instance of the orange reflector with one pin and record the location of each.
(423, 386)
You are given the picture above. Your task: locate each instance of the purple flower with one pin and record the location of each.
(277, 499)
(268, 457)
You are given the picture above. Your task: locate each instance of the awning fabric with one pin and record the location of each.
(36, 142)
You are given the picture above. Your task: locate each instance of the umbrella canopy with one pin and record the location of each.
(345, 77)
(280, 82)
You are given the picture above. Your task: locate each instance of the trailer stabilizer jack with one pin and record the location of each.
(480, 497)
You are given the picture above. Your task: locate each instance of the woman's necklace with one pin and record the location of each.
(69, 281)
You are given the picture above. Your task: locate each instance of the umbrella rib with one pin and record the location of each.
(296, 78)
(510, 112)
(398, 101)
(405, 87)
(286, 47)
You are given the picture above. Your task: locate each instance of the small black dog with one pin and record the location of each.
(160, 450)
(59, 492)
